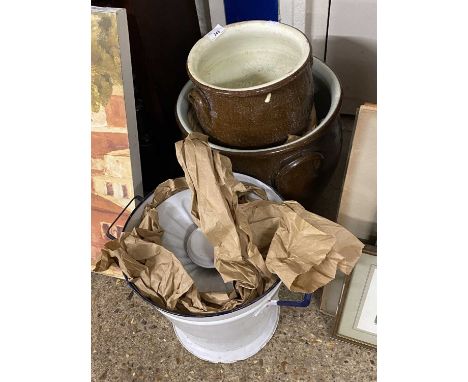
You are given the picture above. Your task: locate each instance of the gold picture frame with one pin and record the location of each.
(355, 305)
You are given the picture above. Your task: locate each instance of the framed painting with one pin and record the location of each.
(115, 156)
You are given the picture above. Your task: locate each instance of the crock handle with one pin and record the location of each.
(202, 108)
(108, 234)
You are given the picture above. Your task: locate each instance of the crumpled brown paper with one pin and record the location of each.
(254, 241)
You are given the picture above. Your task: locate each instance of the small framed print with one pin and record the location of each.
(356, 319)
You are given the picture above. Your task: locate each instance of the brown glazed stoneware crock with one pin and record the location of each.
(253, 84)
(298, 170)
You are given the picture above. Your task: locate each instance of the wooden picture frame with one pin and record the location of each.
(354, 307)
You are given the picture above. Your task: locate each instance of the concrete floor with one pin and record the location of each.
(131, 341)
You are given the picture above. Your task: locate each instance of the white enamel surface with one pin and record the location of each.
(248, 55)
(229, 337)
(200, 250)
(176, 221)
(319, 70)
(271, 194)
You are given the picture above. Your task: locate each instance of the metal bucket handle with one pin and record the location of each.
(304, 303)
(136, 197)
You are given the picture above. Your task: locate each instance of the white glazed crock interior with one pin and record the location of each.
(248, 55)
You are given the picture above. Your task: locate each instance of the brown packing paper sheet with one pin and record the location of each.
(255, 241)
(214, 206)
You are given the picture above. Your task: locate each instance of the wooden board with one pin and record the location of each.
(358, 206)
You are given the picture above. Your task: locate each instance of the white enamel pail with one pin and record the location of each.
(229, 336)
